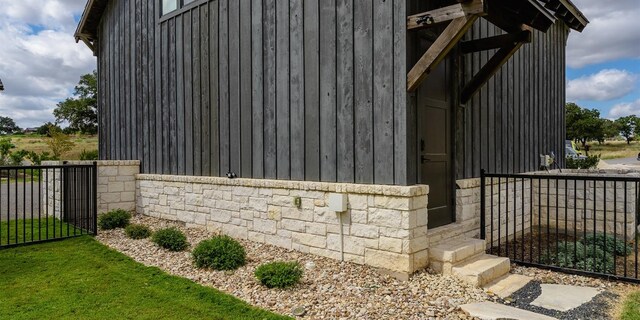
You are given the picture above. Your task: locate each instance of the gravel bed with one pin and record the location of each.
(598, 308)
(329, 289)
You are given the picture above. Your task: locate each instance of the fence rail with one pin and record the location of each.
(45, 203)
(584, 224)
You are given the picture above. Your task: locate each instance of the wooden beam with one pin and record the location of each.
(495, 42)
(488, 70)
(439, 50)
(445, 14)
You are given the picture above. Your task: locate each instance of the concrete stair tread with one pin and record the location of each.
(508, 284)
(495, 311)
(482, 269)
(457, 251)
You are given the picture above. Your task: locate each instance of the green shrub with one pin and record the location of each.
(137, 231)
(608, 244)
(89, 155)
(114, 219)
(219, 253)
(590, 162)
(171, 239)
(279, 274)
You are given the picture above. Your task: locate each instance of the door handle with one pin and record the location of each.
(424, 159)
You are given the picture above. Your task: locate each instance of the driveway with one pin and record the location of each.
(8, 204)
(626, 161)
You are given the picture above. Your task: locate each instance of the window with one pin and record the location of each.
(172, 5)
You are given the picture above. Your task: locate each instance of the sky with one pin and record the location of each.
(40, 62)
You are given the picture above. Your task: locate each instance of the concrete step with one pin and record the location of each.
(482, 269)
(495, 311)
(445, 255)
(507, 285)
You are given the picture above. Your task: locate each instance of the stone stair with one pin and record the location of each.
(466, 259)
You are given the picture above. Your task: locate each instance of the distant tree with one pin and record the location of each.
(627, 127)
(59, 143)
(81, 111)
(8, 126)
(582, 124)
(610, 129)
(5, 150)
(44, 129)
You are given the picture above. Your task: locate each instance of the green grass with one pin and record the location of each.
(631, 307)
(613, 149)
(80, 278)
(39, 229)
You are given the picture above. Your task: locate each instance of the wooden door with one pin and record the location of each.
(435, 149)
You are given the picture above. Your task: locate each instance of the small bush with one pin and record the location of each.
(279, 274)
(591, 162)
(89, 155)
(114, 219)
(137, 231)
(171, 239)
(608, 244)
(219, 253)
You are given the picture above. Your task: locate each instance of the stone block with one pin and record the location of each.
(387, 260)
(390, 244)
(385, 218)
(264, 226)
(309, 240)
(364, 231)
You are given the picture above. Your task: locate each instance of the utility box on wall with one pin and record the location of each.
(338, 202)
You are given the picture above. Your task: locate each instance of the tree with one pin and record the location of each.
(627, 127)
(8, 126)
(59, 143)
(81, 111)
(610, 129)
(582, 124)
(44, 129)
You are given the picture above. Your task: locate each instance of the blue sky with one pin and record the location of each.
(42, 63)
(604, 60)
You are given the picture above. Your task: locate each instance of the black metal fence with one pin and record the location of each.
(45, 203)
(575, 223)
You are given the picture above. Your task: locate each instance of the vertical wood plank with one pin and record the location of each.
(344, 99)
(383, 92)
(363, 76)
(297, 85)
(197, 94)
(172, 123)
(214, 82)
(282, 90)
(246, 131)
(234, 86)
(328, 140)
(183, 56)
(270, 134)
(205, 88)
(257, 72)
(312, 93)
(224, 86)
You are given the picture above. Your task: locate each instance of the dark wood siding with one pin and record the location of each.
(286, 89)
(519, 113)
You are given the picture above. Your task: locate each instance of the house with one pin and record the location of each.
(267, 119)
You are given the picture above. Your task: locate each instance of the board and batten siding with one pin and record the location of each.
(519, 114)
(280, 89)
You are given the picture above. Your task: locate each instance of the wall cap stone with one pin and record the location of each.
(89, 162)
(350, 188)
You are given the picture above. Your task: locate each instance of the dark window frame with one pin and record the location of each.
(182, 7)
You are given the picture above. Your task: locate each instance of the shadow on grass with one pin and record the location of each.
(31, 230)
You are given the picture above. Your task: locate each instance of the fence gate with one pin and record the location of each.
(45, 203)
(583, 224)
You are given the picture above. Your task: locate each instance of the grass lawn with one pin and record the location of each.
(614, 149)
(37, 143)
(631, 307)
(21, 231)
(80, 278)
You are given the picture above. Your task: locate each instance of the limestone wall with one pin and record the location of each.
(116, 185)
(384, 226)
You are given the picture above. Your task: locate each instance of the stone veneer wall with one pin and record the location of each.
(384, 226)
(116, 185)
(587, 206)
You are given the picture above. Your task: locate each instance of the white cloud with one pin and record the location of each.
(610, 35)
(625, 109)
(605, 85)
(40, 62)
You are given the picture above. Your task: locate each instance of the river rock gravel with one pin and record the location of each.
(329, 289)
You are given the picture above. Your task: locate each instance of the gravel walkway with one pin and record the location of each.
(330, 289)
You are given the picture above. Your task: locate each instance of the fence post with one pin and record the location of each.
(94, 196)
(63, 187)
(483, 231)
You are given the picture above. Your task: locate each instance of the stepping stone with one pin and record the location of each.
(495, 311)
(564, 298)
(508, 284)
